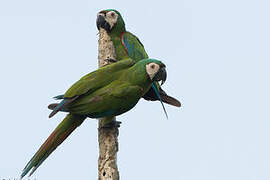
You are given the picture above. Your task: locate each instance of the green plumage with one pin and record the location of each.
(117, 33)
(111, 90)
(108, 91)
(61, 132)
(127, 45)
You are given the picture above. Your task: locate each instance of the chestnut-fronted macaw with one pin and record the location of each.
(109, 91)
(127, 45)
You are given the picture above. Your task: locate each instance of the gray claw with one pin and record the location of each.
(112, 124)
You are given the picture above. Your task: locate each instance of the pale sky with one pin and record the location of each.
(217, 58)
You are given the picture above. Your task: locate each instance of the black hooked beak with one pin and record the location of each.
(161, 75)
(102, 23)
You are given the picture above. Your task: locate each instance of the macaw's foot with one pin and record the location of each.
(109, 60)
(112, 124)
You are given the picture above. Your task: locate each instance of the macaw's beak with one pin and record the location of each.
(102, 23)
(161, 75)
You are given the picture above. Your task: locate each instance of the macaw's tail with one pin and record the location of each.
(61, 132)
(169, 100)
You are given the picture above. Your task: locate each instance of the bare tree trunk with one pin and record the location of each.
(107, 137)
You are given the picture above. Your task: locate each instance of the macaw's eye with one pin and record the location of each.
(112, 14)
(153, 66)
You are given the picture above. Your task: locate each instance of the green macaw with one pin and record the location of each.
(109, 91)
(127, 45)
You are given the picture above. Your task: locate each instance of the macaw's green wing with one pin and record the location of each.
(133, 46)
(97, 79)
(111, 100)
(89, 83)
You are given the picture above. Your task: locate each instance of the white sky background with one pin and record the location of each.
(217, 57)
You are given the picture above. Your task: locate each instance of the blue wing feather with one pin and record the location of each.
(129, 47)
(57, 108)
(59, 97)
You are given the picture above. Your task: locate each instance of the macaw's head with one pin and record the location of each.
(156, 70)
(110, 20)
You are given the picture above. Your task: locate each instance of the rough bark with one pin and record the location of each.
(107, 137)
